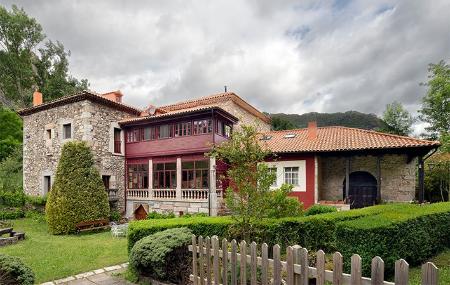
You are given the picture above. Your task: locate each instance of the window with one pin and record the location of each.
(137, 176)
(220, 128)
(67, 131)
(291, 175)
(117, 142)
(165, 175)
(228, 130)
(274, 171)
(48, 134)
(195, 174)
(149, 133)
(47, 184)
(183, 129)
(106, 179)
(135, 135)
(164, 131)
(202, 127)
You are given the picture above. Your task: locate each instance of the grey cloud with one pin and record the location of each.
(282, 56)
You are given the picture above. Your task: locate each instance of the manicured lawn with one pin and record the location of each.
(442, 261)
(53, 257)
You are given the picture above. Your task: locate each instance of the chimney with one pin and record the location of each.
(37, 98)
(115, 96)
(312, 130)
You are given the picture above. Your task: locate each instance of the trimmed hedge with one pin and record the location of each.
(320, 209)
(11, 213)
(413, 232)
(164, 256)
(206, 226)
(78, 193)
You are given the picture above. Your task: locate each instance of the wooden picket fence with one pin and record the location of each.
(211, 266)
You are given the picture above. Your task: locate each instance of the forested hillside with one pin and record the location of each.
(348, 119)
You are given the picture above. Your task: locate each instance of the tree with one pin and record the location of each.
(249, 198)
(78, 193)
(436, 104)
(11, 132)
(279, 124)
(24, 67)
(398, 120)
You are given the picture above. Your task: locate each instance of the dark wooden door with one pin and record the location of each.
(140, 213)
(362, 190)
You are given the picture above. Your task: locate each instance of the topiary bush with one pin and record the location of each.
(164, 256)
(78, 193)
(320, 209)
(14, 272)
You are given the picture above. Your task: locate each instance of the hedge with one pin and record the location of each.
(413, 232)
(11, 213)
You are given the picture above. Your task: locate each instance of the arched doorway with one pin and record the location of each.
(362, 191)
(140, 213)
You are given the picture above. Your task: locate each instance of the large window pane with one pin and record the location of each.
(291, 175)
(164, 176)
(195, 174)
(138, 176)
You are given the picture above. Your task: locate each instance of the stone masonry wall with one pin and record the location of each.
(245, 118)
(398, 178)
(91, 122)
(176, 207)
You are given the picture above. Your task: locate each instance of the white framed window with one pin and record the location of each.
(291, 175)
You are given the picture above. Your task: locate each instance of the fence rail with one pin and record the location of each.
(226, 264)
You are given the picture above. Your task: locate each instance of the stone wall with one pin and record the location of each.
(91, 122)
(191, 207)
(398, 178)
(245, 118)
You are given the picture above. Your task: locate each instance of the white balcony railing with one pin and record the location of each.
(170, 194)
(138, 193)
(164, 193)
(194, 194)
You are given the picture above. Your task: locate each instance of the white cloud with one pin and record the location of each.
(282, 56)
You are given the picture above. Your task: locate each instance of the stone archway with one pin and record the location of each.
(362, 191)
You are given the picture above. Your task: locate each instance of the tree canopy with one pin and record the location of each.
(11, 132)
(398, 120)
(28, 61)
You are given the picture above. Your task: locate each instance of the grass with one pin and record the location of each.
(442, 261)
(54, 257)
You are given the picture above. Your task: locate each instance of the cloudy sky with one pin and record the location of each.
(281, 56)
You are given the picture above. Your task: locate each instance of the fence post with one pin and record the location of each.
(276, 265)
(208, 261)
(401, 272)
(243, 269)
(215, 243)
(194, 258)
(337, 268)
(225, 261)
(320, 265)
(253, 263)
(264, 264)
(233, 262)
(201, 261)
(304, 280)
(356, 270)
(430, 274)
(290, 266)
(377, 275)
(297, 277)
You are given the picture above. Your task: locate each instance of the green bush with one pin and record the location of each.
(194, 215)
(412, 232)
(320, 209)
(78, 193)
(115, 216)
(14, 272)
(11, 213)
(12, 199)
(156, 215)
(281, 205)
(36, 201)
(206, 226)
(164, 255)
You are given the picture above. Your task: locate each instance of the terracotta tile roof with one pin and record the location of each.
(80, 96)
(331, 139)
(174, 114)
(215, 100)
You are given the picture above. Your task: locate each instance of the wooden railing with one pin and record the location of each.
(164, 193)
(295, 270)
(194, 194)
(138, 193)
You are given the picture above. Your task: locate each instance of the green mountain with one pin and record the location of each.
(351, 119)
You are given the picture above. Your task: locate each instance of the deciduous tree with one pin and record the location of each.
(398, 120)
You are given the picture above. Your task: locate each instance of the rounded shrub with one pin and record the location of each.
(164, 256)
(14, 272)
(320, 209)
(78, 193)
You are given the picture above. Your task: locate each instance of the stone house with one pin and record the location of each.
(154, 159)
